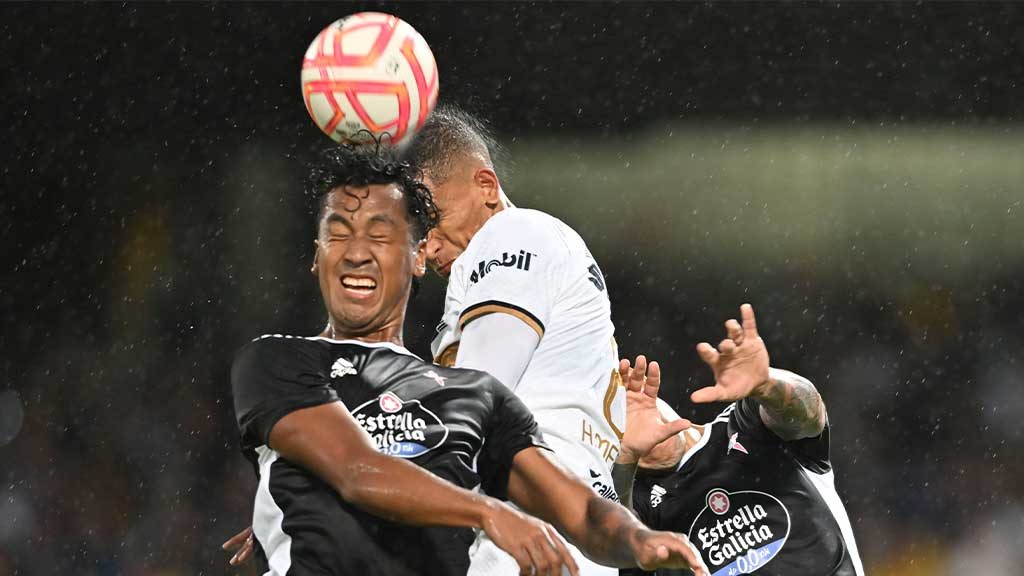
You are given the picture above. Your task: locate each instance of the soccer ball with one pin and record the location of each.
(369, 71)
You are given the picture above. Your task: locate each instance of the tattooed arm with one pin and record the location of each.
(790, 405)
(604, 531)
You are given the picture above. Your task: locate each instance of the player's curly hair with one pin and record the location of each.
(372, 162)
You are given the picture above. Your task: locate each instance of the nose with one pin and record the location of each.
(357, 253)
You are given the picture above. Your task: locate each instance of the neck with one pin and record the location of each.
(392, 332)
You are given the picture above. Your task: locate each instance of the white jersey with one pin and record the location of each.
(531, 265)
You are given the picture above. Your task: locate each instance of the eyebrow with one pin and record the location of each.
(336, 217)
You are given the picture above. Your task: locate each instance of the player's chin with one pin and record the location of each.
(355, 311)
(443, 271)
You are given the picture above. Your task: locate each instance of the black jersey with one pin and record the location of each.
(752, 503)
(462, 425)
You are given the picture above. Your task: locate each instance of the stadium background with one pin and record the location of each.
(853, 170)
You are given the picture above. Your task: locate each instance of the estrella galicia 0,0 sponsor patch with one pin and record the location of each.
(739, 532)
(400, 428)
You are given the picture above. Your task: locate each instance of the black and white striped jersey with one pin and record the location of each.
(462, 425)
(752, 503)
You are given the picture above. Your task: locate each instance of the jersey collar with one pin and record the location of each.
(388, 345)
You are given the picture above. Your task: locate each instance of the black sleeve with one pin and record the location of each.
(812, 453)
(509, 429)
(270, 378)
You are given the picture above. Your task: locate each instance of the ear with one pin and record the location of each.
(315, 268)
(487, 182)
(420, 259)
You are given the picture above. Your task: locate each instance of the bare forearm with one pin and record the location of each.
(403, 492)
(791, 406)
(600, 528)
(326, 441)
(609, 535)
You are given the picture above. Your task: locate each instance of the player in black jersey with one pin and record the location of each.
(367, 456)
(753, 489)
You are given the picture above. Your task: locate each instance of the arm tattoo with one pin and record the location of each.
(622, 478)
(610, 533)
(791, 406)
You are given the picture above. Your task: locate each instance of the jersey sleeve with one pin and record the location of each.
(515, 268)
(270, 378)
(811, 453)
(510, 429)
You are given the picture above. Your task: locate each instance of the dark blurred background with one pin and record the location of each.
(854, 170)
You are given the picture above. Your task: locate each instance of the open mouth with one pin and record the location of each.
(359, 286)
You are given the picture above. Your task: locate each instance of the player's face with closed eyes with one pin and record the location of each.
(366, 258)
(462, 200)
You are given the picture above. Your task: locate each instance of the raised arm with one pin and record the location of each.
(328, 442)
(603, 530)
(790, 406)
(500, 344)
(649, 427)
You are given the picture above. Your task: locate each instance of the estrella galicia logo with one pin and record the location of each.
(400, 428)
(739, 532)
(519, 261)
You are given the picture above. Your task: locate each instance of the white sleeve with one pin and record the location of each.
(499, 344)
(516, 268)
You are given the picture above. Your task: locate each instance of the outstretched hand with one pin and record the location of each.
(645, 425)
(740, 362)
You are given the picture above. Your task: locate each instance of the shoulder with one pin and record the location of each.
(524, 224)
(274, 353)
(468, 377)
(482, 384)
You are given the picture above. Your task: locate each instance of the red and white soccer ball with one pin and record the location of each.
(369, 71)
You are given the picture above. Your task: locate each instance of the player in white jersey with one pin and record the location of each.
(526, 302)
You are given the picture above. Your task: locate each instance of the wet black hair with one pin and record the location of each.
(450, 133)
(367, 162)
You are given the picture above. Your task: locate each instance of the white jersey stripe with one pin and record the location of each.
(388, 345)
(826, 486)
(267, 519)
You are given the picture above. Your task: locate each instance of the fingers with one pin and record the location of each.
(243, 546)
(563, 552)
(540, 564)
(677, 426)
(734, 331)
(522, 557)
(653, 382)
(707, 353)
(245, 553)
(637, 377)
(546, 558)
(626, 373)
(672, 428)
(726, 347)
(624, 368)
(237, 540)
(708, 394)
(676, 551)
(749, 323)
